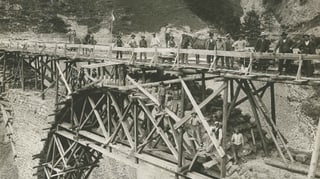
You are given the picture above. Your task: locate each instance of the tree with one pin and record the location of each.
(251, 26)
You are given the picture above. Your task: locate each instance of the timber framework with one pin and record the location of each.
(105, 105)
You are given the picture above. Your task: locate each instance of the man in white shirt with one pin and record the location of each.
(237, 143)
(155, 42)
(133, 44)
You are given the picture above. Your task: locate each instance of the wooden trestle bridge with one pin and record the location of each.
(109, 108)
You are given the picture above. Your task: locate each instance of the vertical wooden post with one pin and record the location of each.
(22, 73)
(57, 82)
(298, 77)
(42, 77)
(315, 156)
(183, 95)
(224, 128)
(4, 74)
(273, 104)
(180, 150)
(203, 85)
(36, 66)
(136, 123)
(52, 68)
(231, 90)
(108, 115)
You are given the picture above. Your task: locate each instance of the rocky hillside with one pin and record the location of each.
(42, 16)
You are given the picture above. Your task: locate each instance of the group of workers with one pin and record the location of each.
(133, 43)
(284, 45)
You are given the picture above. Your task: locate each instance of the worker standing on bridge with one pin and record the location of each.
(307, 47)
(285, 45)
(171, 42)
(262, 45)
(240, 46)
(220, 45)
(133, 44)
(210, 45)
(185, 44)
(228, 43)
(119, 43)
(155, 42)
(143, 44)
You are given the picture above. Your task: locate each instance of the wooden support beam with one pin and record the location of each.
(203, 85)
(201, 105)
(264, 111)
(36, 66)
(57, 85)
(202, 119)
(260, 90)
(136, 131)
(98, 117)
(4, 73)
(226, 114)
(22, 73)
(273, 103)
(42, 78)
(315, 155)
(159, 130)
(122, 117)
(256, 116)
(63, 79)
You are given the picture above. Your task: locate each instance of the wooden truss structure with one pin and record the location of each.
(102, 107)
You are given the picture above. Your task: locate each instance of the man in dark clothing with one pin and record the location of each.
(228, 43)
(184, 56)
(307, 47)
(143, 44)
(284, 45)
(87, 38)
(261, 46)
(119, 43)
(210, 45)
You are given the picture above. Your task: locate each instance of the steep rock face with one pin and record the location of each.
(295, 12)
(293, 15)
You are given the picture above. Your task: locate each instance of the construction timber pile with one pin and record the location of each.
(155, 111)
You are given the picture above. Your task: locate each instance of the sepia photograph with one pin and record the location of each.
(159, 89)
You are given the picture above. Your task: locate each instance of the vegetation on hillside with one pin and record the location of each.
(224, 14)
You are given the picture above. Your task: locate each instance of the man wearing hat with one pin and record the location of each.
(262, 45)
(307, 47)
(210, 45)
(119, 43)
(220, 45)
(195, 129)
(228, 43)
(133, 44)
(143, 44)
(171, 42)
(155, 42)
(284, 45)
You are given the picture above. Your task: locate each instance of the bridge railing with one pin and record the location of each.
(158, 54)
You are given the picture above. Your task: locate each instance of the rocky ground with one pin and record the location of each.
(30, 118)
(8, 168)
